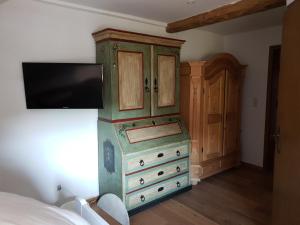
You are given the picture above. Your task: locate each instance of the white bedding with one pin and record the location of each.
(18, 210)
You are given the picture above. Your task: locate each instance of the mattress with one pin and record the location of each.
(19, 210)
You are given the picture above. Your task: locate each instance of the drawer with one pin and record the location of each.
(150, 176)
(156, 157)
(161, 189)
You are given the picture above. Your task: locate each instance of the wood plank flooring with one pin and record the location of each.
(240, 196)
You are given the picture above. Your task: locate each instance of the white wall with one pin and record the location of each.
(252, 49)
(40, 149)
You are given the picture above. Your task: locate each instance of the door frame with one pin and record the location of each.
(268, 152)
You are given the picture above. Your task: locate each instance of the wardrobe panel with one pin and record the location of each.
(213, 116)
(232, 113)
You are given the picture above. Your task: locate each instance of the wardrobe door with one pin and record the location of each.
(165, 81)
(213, 115)
(130, 80)
(232, 112)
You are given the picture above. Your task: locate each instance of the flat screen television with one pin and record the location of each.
(63, 85)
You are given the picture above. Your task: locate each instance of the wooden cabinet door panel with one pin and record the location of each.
(131, 64)
(213, 116)
(232, 112)
(165, 81)
(131, 80)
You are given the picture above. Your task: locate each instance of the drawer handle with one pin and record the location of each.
(143, 198)
(142, 163)
(160, 173)
(178, 169)
(178, 153)
(160, 155)
(142, 181)
(147, 89)
(160, 189)
(178, 184)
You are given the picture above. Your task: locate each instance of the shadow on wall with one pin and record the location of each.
(18, 182)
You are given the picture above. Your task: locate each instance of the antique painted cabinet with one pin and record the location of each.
(144, 146)
(210, 106)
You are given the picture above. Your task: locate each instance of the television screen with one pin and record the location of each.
(63, 85)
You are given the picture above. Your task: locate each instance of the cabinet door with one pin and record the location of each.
(213, 116)
(131, 81)
(232, 113)
(165, 81)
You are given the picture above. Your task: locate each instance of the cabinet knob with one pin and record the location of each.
(178, 184)
(160, 189)
(142, 181)
(178, 169)
(160, 155)
(160, 173)
(142, 163)
(143, 198)
(178, 153)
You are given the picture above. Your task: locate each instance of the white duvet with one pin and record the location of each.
(18, 210)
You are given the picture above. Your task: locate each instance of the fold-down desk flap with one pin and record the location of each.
(152, 132)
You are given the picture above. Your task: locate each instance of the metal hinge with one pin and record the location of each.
(202, 149)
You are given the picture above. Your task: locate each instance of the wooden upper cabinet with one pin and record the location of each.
(165, 81)
(141, 74)
(213, 116)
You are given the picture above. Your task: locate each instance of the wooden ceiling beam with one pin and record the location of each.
(227, 12)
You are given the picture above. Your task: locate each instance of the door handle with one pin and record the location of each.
(155, 85)
(147, 89)
(276, 138)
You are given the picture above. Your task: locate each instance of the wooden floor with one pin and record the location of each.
(241, 196)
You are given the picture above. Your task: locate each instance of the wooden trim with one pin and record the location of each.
(136, 118)
(108, 218)
(109, 33)
(93, 200)
(175, 86)
(143, 80)
(226, 12)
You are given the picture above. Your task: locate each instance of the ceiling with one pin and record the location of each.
(159, 10)
(273, 17)
(171, 10)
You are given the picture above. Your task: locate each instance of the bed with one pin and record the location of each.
(19, 210)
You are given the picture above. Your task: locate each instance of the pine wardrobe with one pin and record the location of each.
(210, 106)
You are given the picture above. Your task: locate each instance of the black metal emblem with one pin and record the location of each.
(109, 156)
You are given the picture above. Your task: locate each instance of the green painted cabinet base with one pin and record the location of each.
(140, 169)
